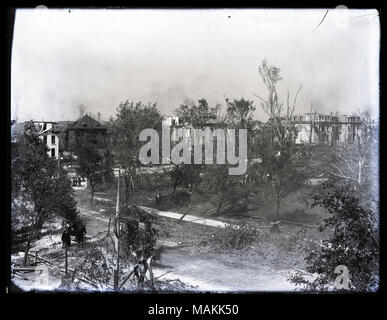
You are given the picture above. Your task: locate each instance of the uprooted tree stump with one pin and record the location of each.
(275, 227)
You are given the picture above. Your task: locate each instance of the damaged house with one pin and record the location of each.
(82, 129)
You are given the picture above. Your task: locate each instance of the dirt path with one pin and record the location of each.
(207, 273)
(212, 274)
(95, 221)
(204, 271)
(188, 217)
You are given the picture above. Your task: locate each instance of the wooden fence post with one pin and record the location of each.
(66, 261)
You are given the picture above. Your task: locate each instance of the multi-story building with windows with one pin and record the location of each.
(330, 129)
(49, 133)
(83, 128)
(175, 124)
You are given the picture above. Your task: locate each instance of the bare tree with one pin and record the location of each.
(280, 155)
(280, 116)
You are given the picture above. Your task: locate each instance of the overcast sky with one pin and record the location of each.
(97, 58)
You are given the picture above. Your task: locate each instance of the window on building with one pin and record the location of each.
(45, 139)
(53, 139)
(323, 137)
(53, 152)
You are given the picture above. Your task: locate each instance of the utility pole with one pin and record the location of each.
(116, 227)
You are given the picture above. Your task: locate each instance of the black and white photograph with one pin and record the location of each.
(182, 150)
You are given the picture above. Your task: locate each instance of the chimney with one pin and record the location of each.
(99, 116)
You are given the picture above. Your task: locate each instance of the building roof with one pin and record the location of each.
(86, 122)
(41, 121)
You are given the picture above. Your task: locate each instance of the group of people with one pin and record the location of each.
(77, 182)
(78, 230)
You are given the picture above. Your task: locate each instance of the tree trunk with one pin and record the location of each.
(359, 176)
(218, 209)
(26, 251)
(66, 268)
(39, 225)
(148, 262)
(278, 207)
(33, 232)
(175, 185)
(92, 193)
(144, 270)
(117, 266)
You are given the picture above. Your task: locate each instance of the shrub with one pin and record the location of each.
(354, 242)
(233, 238)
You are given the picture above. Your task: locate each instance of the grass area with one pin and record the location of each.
(293, 208)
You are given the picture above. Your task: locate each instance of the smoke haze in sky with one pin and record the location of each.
(65, 62)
